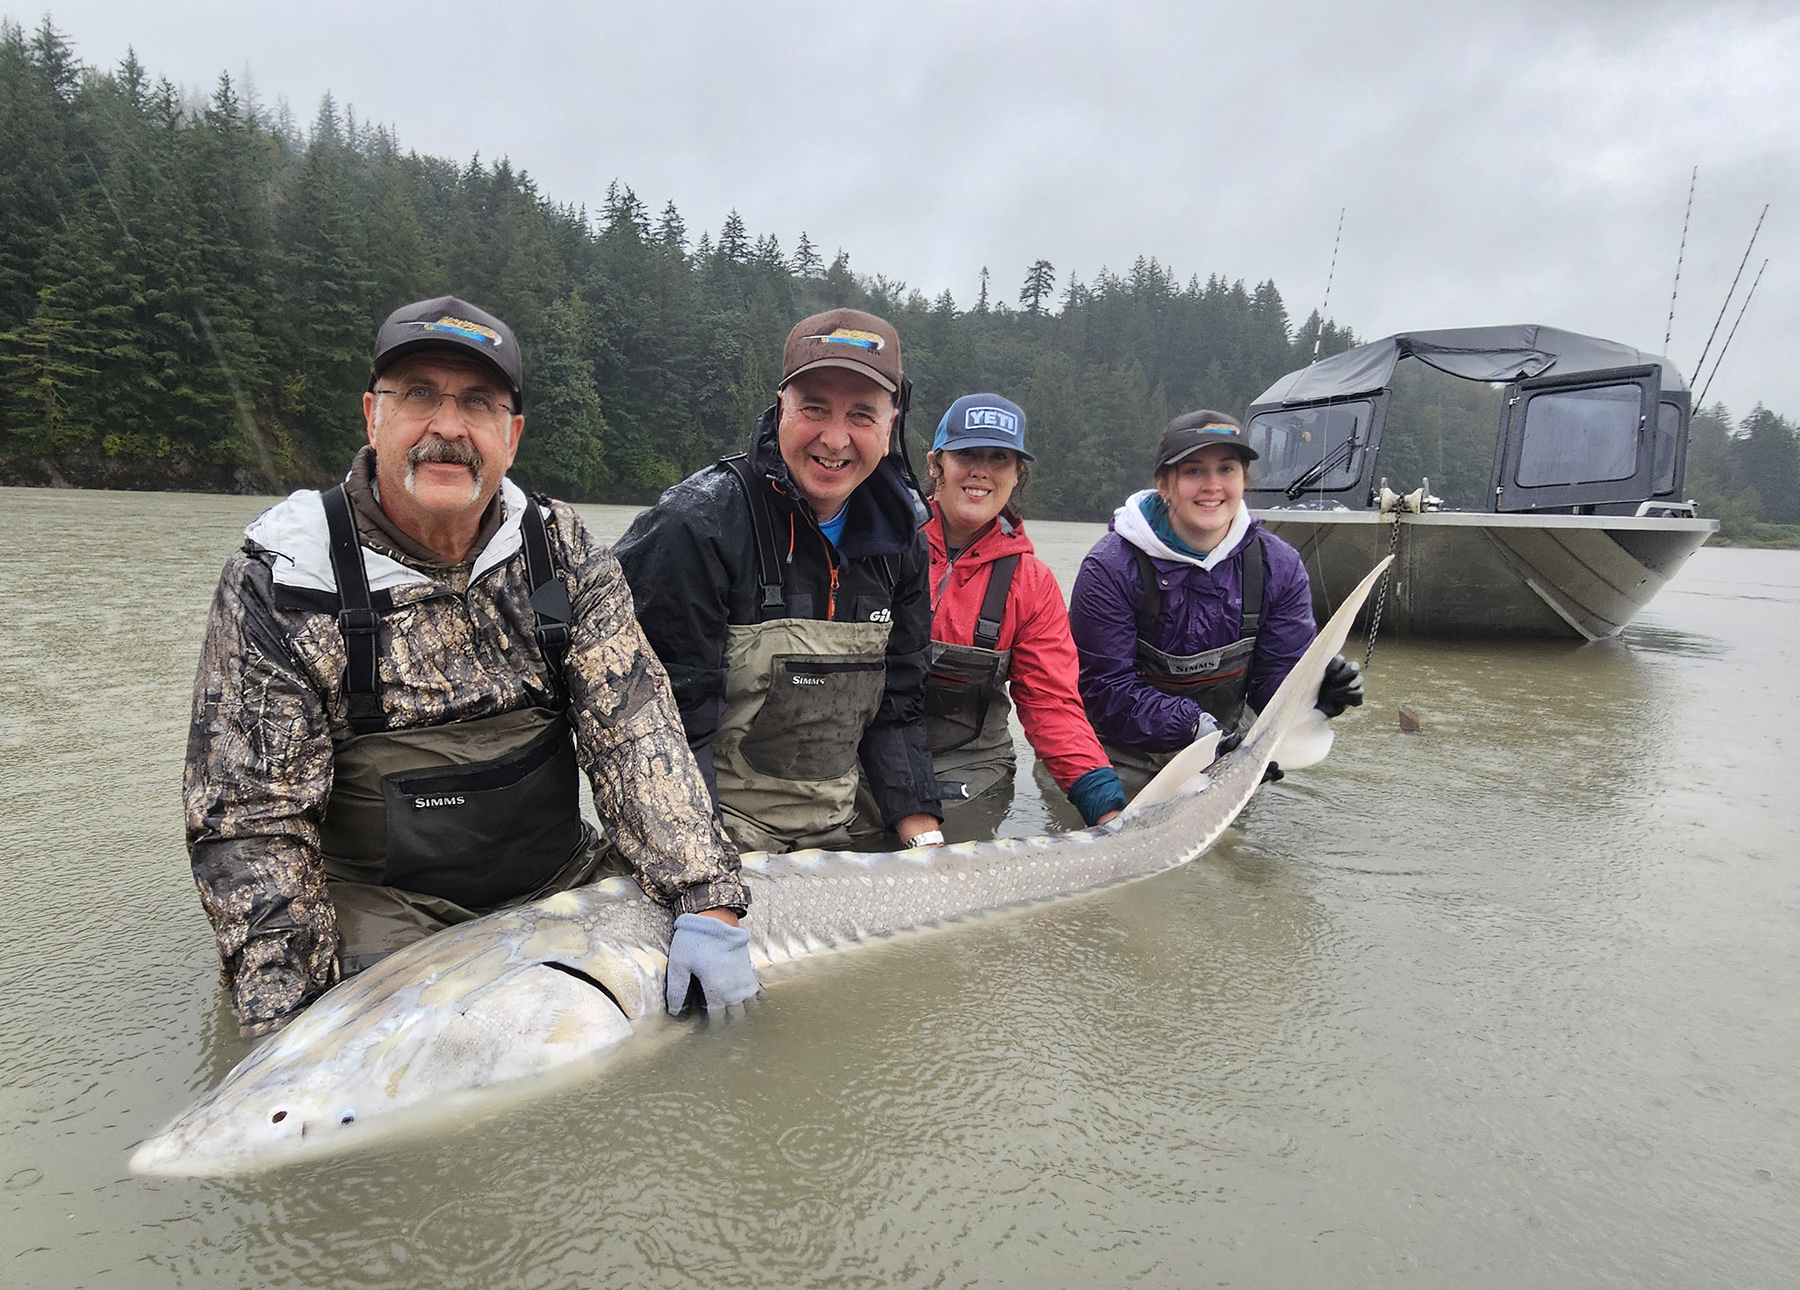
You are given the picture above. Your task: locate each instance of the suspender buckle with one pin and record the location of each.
(358, 622)
(772, 596)
(989, 629)
(553, 638)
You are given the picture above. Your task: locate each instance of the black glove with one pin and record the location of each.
(1341, 688)
(1271, 773)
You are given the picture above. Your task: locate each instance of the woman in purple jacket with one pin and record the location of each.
(1188, 612)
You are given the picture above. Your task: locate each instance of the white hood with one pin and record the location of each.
(1130, 524)
(295, 531)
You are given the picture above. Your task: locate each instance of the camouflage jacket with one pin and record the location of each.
(269, 706)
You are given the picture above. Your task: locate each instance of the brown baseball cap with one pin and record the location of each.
(847, 338)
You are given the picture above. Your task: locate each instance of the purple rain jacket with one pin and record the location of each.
(1202, 609)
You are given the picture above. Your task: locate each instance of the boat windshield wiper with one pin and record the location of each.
(1336, 457)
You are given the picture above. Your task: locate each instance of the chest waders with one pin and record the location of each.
(1216, 679)
(799, 693)
(426, 826)
(966, 701)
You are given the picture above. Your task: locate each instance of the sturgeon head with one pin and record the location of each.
(520, 993)
(543, 988)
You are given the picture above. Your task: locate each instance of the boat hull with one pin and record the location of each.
(1467, 574)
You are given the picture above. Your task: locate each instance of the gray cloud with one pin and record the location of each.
(1521, 162)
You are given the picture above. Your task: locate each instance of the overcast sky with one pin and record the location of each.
(1498, 163)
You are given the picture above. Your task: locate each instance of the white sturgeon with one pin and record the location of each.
(535, 989)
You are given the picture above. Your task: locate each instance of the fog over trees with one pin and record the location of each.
(189, 290)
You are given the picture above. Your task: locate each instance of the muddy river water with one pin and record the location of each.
(1512, 1001)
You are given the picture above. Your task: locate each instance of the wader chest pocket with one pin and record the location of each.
(1211, 667)
(484, 832)
(957, 693)
(814, 715)
(1216, 679)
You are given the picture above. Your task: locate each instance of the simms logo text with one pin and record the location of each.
(427, 803)
(807, 680)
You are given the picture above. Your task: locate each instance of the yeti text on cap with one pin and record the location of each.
(992, 419)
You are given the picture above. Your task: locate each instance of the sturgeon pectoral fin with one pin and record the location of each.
(532, 1020)
(1189, 762)
(1305, 742)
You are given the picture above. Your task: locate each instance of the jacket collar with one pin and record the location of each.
(1003, 536)
(1130, 523)
(295, 531)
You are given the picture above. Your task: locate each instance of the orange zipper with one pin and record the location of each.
(830, 562)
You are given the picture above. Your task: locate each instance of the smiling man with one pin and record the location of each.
(403, 677)
(784, 589)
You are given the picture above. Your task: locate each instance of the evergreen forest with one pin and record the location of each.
(190, 285)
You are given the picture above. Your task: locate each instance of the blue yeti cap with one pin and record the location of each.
(983, 421)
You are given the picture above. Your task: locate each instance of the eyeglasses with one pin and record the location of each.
(419, 403)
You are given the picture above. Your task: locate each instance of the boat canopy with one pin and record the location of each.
(1513, 353)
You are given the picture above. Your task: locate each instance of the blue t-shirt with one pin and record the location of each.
(834, 529)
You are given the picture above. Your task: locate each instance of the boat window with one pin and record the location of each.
(1668, 434)
(1290, 442)
(1580, 436)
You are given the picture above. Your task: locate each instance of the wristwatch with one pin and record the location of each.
(929, 838)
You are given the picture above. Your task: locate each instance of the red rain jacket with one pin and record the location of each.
(1036, 630)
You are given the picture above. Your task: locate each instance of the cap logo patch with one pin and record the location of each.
(860, 339)
(991, 419)
(461, 327)
(1218, 429)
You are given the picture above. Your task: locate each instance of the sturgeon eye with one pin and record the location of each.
(348, 1117)
(278, 1117)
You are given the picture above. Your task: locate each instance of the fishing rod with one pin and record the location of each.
(1734, 281)
(1701, 401)
(1679, 254)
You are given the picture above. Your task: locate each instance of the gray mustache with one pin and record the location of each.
(435, 448)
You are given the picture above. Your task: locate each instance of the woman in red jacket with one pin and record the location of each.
(999, 625)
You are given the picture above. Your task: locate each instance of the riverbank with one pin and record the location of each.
(1757, 536)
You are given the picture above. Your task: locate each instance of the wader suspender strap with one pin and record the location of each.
(993, 604)
(1253, 589)
(1149, 614)
(768, 562)
(549, 593)
(356, 618)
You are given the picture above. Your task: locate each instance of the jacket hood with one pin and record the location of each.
(295, 531)
(885, 512)
(1130, 523)
(1004, 537)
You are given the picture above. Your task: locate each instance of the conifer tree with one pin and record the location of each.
(671, 229)
(734, 242)
(807, 263)
(564, 446)
(1040, 284)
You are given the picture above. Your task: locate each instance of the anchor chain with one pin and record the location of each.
(1381, 595)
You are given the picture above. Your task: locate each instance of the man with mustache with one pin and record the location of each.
(403, 677)
(785, 591)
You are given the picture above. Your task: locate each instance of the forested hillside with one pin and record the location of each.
(189, 289)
